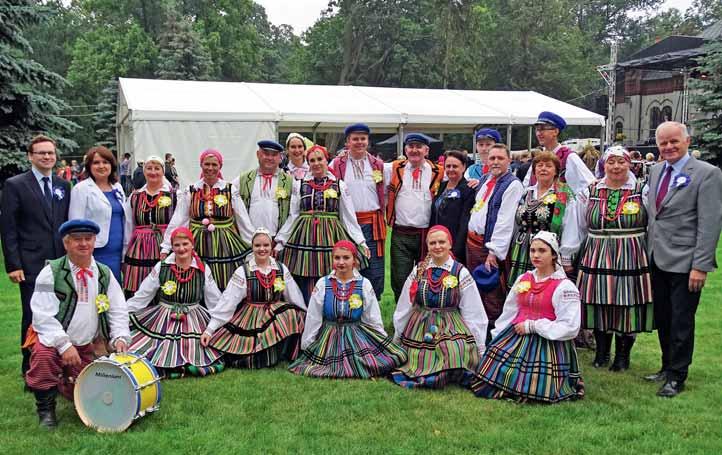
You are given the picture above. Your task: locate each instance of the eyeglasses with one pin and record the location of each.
(544, 128)
(44, 153)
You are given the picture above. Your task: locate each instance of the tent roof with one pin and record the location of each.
(332, 107)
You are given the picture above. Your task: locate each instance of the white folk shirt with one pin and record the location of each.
(505, 221)
(363, 190)
(151, 285)
(413, 205)
(470, 306)
(577, 174)
(314, 318)
(181, 216)
(83, 327)
(237, 291)
(263, 206)
(567, 309)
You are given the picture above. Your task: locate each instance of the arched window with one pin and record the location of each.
(655, 119)
(666, 113)
(619, 131)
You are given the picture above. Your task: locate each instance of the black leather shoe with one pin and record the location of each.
(603, 345)
(659, 376)
(671, 389)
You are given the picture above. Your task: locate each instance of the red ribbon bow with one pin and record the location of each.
(267, 181)
(416, 174)
(83, 275)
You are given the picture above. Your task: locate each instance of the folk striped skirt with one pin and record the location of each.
(259, 335)
(529, 367)
(349, 350)
(308, 251)
(451, 356)
(142, 254)
(169, 336)
(222, 249)
(615, 284)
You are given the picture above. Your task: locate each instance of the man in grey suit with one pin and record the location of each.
(685, 215)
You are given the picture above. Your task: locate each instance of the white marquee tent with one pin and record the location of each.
(186, 117)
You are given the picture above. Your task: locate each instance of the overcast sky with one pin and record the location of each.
(301, 14)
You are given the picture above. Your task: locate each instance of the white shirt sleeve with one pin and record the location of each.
(314, 315)
(472, 309)
(504, 227)
(567, 308)
(527, 177)
(129, 225)
(570, 241)
(211, 293)
(295, 210)
(234, 294)
(147, 290)
(45, 306)
(118, 313)
(582, 201)
(577, 174)
(181, 217)
(372, 311)
(403, 307)
(347, 214)
(292, 294)
(243, 221)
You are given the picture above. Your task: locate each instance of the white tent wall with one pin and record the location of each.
(186, 117)
(186, 140)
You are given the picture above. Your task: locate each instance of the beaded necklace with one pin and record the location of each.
(341, 293)
(435, 285)
(149, 205)
(266, 281)
(180, 275)
(620, 204)
(320, 186)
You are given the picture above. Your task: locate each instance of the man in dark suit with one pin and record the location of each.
(685, 215)
(34, 205)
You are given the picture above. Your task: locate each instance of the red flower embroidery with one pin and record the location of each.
(557, 211)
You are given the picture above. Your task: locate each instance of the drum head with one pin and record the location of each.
(105, 397)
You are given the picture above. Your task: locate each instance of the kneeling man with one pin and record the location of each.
(77, 306)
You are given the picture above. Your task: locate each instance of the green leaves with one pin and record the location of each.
(707, 100)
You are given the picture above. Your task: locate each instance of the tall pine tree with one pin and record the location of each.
(707, 99)
(104, 118)
(26, 105)
(183, 55)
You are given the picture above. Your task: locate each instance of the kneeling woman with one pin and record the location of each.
(532, 355)
(439, 319)
(344, 335)
(168, 333)
(260, 318)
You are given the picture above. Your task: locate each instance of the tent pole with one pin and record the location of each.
(275, 124)
(315, 126)
(400, 142)
(529, 141)
(603, 138)
(508, 137)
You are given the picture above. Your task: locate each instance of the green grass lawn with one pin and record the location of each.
(274, 411)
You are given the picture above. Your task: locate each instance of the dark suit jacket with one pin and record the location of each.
(29, 228)
(454, 213)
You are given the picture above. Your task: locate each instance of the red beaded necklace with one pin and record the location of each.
(179, 274)
(147, 205)
(341, 293)
(435, 285)
(620, 205)
(266, 281)
(320, 187)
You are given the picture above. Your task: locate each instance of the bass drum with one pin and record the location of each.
(113, 391)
